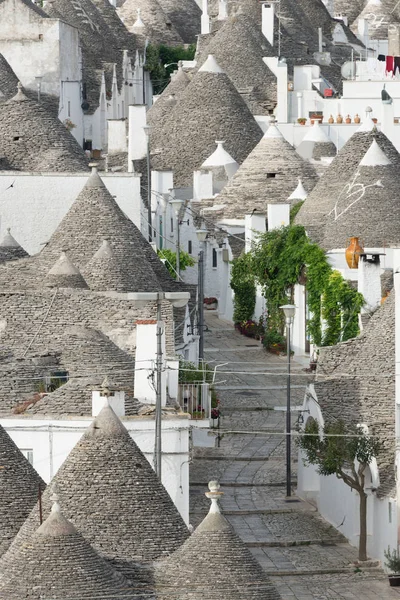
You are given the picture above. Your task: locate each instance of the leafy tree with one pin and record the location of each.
(158, 56)
(244, 285)
(170, 260)
(345, 452)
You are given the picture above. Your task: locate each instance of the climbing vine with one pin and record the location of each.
(279, 260)
(244, 285)
(158, 56)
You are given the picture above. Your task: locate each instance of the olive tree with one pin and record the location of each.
(345, 452)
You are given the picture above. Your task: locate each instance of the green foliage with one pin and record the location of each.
(189, 373)
(295, 209)
(392, 561)
(170, 260)
(158, 56)
(244, 285)
(335, 449)
(281, 258)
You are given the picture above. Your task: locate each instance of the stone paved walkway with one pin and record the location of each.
(306, 558)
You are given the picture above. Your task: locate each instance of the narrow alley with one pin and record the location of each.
(306, 558)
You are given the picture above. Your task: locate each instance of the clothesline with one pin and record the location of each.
(392, 63)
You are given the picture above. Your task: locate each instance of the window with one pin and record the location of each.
(16, 138)
(390, 512)
(190, 246)
(40, 36)
(69, 108)
(271, 175)
(214, 258)
(172, 225)
(28, 453)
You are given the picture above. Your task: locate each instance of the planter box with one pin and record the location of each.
(394, 580)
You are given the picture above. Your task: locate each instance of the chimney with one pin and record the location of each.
(369, 281)
(202, 185)
(222, 10)
(137, 139)
(145, 362)
(108, 395)
(161, 184)
(278, 216)
(267, 22)
(116, 136)
(254, 224)
(394, 40)
(205, 19)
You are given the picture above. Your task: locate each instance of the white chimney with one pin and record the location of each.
(205, 19)
(222, 10)
(137, 139)
(117, 141)
(145, 362)
(369, 281)
(267, 22)
(114, 399)
(202, 185)
(254, 224)
(161, 183)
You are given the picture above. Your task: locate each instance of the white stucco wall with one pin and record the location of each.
(52, 440)
(37, 202)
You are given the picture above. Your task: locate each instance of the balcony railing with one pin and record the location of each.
(195, 399)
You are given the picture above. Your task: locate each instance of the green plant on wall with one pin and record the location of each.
(169, 256)
(244, 285)
(277, 262)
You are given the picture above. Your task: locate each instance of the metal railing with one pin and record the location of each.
(195, 399)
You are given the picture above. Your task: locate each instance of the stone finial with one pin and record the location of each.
(56, 508)
(138, 22)
(105, 388)
(93, 166)
(214, 495)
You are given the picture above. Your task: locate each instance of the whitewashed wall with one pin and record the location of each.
(339, 505)
(37, 202)
(52, 440)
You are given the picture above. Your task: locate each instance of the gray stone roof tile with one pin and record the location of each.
(111, 494)
(366, 394)
(57, 562)
(239, 52)
(213, 563)
(313, 214)
(31, 139)
(379, 15)
(185, 15)
(209, 109)
(269, 175)
(19, 489)
(10, 248)
(158, 27)
(349, 9)
(167, 100)
(64, 274)
(367, 206)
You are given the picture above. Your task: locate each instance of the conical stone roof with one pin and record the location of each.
(268, 176)
(238, 52)
(8, 80)
(185, 15)
(10, 248)
(88, 355)
(158, 26)
(161, 109)
(213, 563)
(104, 272)
(93, 217)
(110, 493)
(349, 9)
(379, 14)
(319, 203)
(316, 144)
(19, 489)
(31, 139)
(367, 206)
(209, 109)
(65, 274)
(57, 562)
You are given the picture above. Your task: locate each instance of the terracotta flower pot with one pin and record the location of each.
(357, 119)
(348, 120)
(331, 119)
(353, 252)
(339, 119)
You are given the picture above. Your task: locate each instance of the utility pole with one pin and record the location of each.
(158, 416)
(201, 304)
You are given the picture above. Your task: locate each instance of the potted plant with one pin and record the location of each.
(392, 562)
(210, 303)
(301, 121)
(214, 417)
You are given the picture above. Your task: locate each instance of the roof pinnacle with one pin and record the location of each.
(214, 495)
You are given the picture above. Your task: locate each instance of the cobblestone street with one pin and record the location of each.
(306, 558)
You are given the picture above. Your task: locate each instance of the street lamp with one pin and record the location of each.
(201, 236)
(289, 312)
(146, 130)
(177, 299)
(177, 205)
